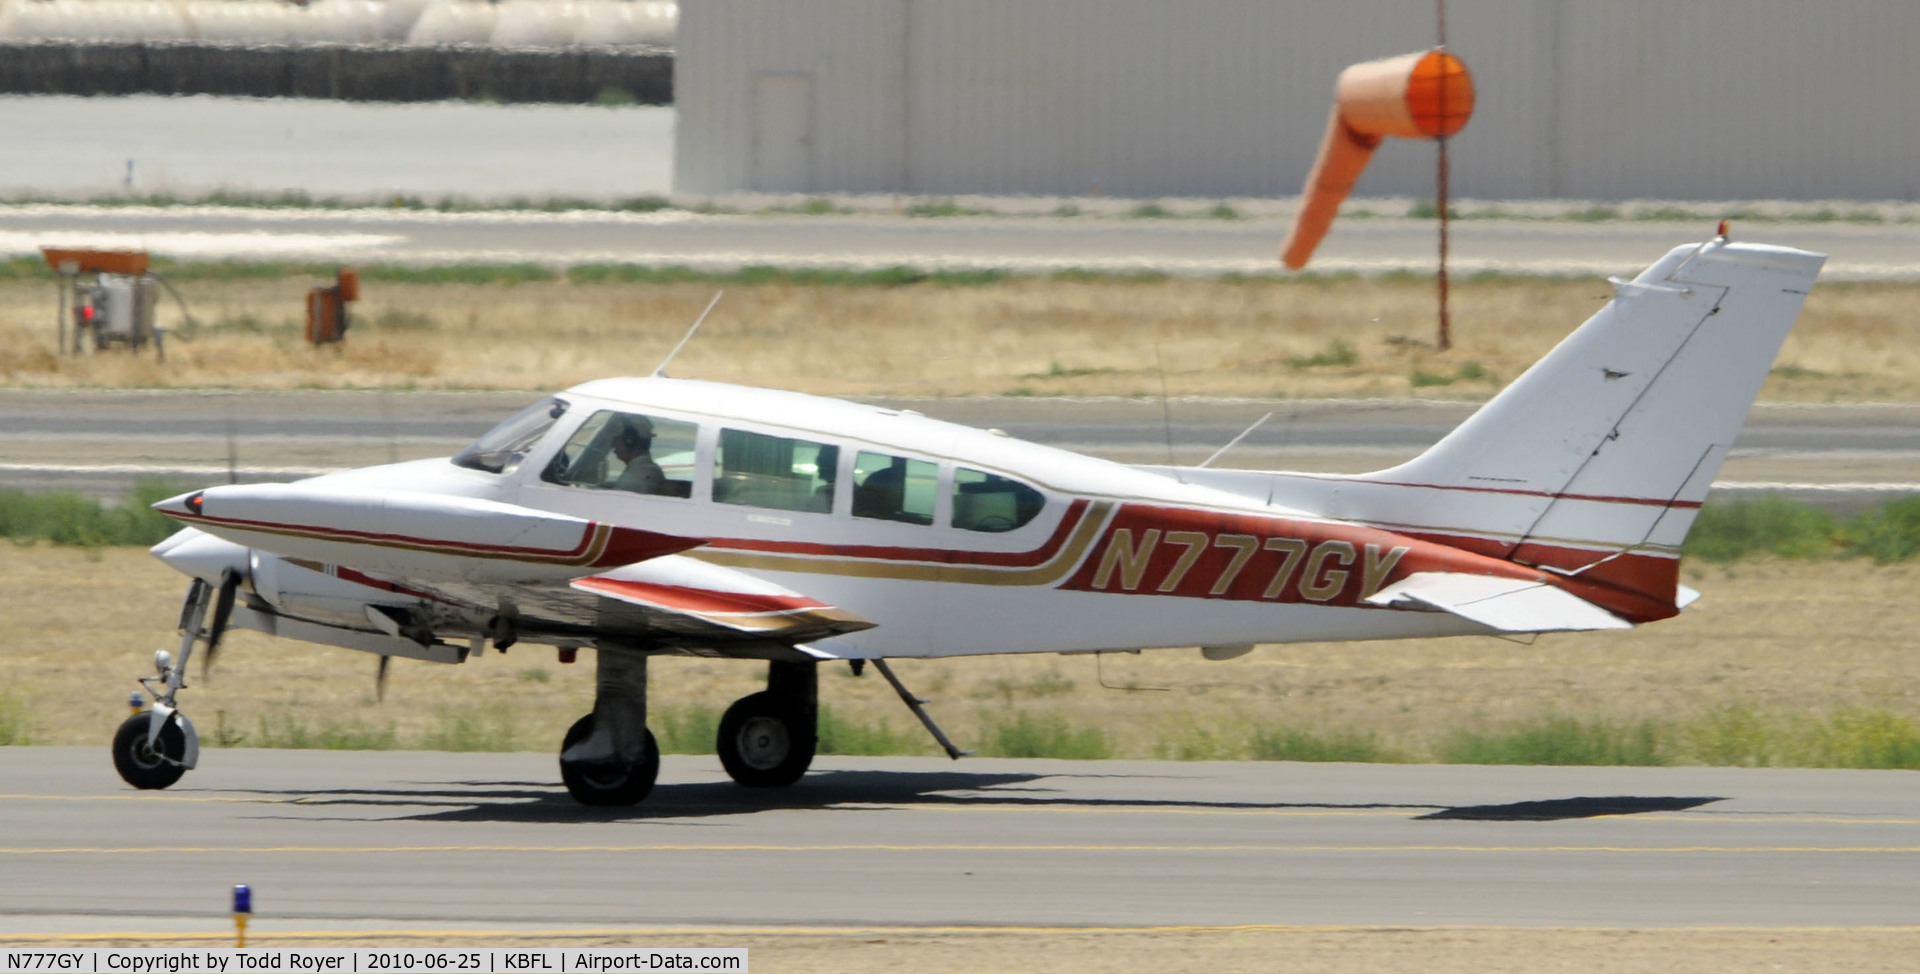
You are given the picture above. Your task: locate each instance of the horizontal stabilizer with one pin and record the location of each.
(1506, 604)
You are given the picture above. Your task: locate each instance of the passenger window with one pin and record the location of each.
(989, 502)
(757, 470)
(628, 451)
(891, 488)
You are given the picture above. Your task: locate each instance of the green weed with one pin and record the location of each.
(689, 729)
(16, 723)
(1764, 525)
(491, 729)
(290, 732)
(1888, 534)
(70, 519)
(840, 735)
(1293, 744)
(1024, 735)
(1337, 354)
(1556, 739)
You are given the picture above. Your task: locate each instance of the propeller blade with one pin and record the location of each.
(222, 611)
(380, 680)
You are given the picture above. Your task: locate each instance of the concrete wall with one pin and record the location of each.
(1600, 99)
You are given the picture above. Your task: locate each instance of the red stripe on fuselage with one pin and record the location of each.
(1257, 558)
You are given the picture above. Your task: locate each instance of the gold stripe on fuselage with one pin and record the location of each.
(1052, 571)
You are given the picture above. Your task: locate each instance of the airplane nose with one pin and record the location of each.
(201, 555)
(187, 504)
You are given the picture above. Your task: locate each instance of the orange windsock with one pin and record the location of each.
(1424, 95)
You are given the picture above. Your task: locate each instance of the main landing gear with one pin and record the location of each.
(610, 758)
(767, 739)
(155, 746)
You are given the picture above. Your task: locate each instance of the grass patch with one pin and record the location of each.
(1467, 372)
(1555, 739)
(464, 729)
(1026, 735)
(16, 723)
(1294, 744)
(689, 729)
(70, 519)
(1764, 525)
(1888, 534)
(284, 731)
(1337, 354)
(845, 735)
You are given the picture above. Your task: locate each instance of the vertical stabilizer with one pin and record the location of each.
(1595, 461)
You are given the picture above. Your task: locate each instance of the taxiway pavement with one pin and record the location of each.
(370, 841)
(101, 442)
(1022, 244)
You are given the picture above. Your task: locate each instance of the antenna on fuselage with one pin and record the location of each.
(1217, 454)
(661, 372)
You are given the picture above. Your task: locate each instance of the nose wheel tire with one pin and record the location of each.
(603, 786)
(764, 743)
(144, 765)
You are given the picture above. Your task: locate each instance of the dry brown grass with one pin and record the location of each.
(1789, 637)
(1017, 337)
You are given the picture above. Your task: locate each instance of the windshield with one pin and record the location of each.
(504, 446)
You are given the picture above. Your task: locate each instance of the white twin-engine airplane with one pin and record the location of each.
(653, 515)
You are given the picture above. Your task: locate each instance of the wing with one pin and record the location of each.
(684, 595)
(1504, 604)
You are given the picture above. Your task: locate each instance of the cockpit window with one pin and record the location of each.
(989, 502)
(504, 446)
(628, 451)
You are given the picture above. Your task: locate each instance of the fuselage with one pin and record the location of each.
(975, 543)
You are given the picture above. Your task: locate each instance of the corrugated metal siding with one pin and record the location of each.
(1601, 99)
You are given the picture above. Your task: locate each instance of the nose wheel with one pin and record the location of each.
(145, 763)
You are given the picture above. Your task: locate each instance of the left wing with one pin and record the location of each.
(681, 594)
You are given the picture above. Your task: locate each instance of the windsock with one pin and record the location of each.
(1424, 95)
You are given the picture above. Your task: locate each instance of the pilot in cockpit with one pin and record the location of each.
(633, 444)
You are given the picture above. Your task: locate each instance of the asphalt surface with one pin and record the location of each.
(463, 842)
(101, 443)
(857, 241)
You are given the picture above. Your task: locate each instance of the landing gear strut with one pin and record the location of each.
(609, 757)
(154, 747)
(767, 739)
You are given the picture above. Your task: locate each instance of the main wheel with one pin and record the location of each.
(602, 786)
(764, 743)
(144, 765)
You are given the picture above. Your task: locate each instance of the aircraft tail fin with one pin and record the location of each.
(1594, 462)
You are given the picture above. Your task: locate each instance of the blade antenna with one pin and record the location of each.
(1166, 410)
(1217, 454)
(661, 372)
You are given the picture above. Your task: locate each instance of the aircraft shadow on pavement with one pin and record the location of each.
(535, 801)
(1557, 809)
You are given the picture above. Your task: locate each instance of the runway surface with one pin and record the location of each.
(1019, 244)
(100, 443)
(366, 841)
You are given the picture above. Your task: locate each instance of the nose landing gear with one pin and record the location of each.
(154, 747)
